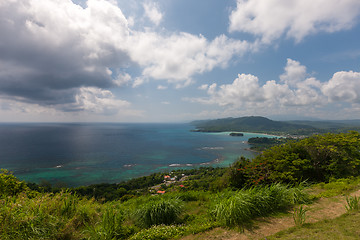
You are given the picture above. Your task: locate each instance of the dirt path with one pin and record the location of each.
(324, 208)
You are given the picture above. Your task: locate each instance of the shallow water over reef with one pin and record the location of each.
(81, 154)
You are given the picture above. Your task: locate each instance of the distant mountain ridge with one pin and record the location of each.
(263, 124)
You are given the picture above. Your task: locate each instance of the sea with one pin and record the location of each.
(79, 154)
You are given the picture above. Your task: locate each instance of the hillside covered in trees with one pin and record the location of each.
(265, 125)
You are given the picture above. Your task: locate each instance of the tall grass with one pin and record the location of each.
(158, 210)
(111, 225)
(46, 216)
(189, 196)
(353, 203)
(299, 215)
(240, 207)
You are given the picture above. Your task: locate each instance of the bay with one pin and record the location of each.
(76, 154)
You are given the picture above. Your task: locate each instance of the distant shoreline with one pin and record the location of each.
(228, 132)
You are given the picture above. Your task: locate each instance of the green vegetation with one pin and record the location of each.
(253, 124)
(9, 185)
(265, 125)
(155, 207)
(336, 187)
(233, 134)
(157, 211)
(353, 203)
(343, 227)
(299, 215)
(240, 207)
(263, 143)
(161, 232)
(65, 215)
(319, 158)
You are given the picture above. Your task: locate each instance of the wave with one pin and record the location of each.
(129, 165)
(211, 148)
(175, 165)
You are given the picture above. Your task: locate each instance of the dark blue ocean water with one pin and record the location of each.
(82, 154)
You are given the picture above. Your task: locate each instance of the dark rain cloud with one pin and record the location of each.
(45, 61)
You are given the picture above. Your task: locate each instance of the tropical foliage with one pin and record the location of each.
(316, 159)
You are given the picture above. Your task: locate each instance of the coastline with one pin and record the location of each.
(245, 133)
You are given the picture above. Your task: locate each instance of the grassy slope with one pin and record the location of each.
(63, 216)
(326, 218)
(343, 227)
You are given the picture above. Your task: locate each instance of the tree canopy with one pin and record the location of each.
(317, 158)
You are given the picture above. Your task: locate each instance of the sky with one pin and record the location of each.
(178, 60)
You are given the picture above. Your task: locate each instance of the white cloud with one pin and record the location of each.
(270, 19)
(244, 88)
(51, 48)
(294, 73)
(139, 81)
(343, 87)
(152, 12)
(122, 79)
(99, 101)
(293, 92)
(204, 87)
(177, 57)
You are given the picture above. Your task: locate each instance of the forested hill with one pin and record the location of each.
(265, 125)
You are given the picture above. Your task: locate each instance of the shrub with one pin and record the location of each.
(158, 210)
(317, 158)
(10, 185)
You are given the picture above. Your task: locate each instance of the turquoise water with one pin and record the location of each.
(83, 154)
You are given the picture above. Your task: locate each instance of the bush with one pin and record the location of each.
(10, 185)
(318, 158)
(158, 210)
